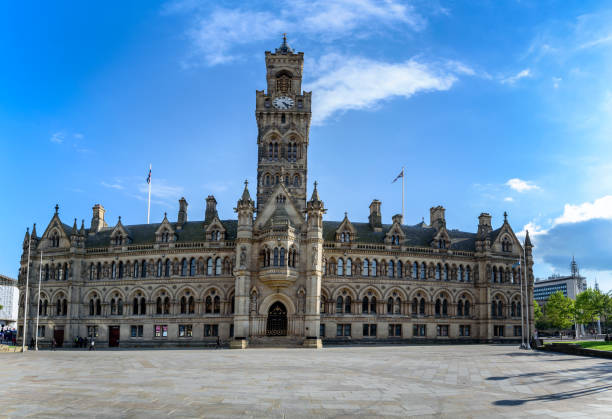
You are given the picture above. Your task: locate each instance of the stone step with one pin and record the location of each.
(275, 342)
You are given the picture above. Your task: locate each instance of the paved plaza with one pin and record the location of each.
(393, 381)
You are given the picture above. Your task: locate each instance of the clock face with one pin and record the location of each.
(283, 102)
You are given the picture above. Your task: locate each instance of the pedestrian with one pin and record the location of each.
(218, 342)
(53, 344)
(32, 343)
(92, 345)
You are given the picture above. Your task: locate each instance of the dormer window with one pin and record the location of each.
(165, 237)
(395, 240)
(441, 244)
(215, 235)
(117, 240)
(345, 238)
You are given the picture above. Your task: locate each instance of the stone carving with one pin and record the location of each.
(243, 257)
(315, 257)
(253, 302)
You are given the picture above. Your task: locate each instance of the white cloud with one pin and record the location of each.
(600, 208)
(508, 199)
(360, 83)
(78, 136)
(57, 138)
(216, 34)
(161, 189)
(520, 75)
(521, 185)
(556, 82)
(112, 185)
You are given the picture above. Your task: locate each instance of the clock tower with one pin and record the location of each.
(283, 122)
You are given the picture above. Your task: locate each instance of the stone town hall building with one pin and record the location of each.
(278, 269)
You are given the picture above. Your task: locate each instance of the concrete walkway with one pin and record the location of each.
(436, 381)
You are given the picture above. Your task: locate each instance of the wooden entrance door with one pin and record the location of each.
(58, 335)
(277, 320)
(113, 336)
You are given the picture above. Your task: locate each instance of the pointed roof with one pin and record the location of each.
(315, 193)
(34, 231)
(246, 196)
(82, 231)
(284, 47)
(75, 231)
(527, 239)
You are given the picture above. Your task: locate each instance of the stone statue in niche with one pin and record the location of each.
(315, 256)
(253, 302)
(243, 257)
(301, 301)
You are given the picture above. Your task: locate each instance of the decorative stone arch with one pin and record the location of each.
(159, 289)
(57, 293)
(503, 297)
(438, 294)
(469, 296)
(371, 288)
(351, 291)
(90, 294)
(133, 293)
(182, 290)
(110, 294)
(264, 306)
(424, 294)
(400, 293)
(208, 291)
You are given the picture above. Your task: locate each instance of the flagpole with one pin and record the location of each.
(403, 176)
(38, 305)
(25, 301)
(526, 297)
(149, 200)
(523, 307)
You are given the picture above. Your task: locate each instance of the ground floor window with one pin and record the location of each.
(442, 330)
(343, 330)
(41, 331)
(185, 330)
(498, 331)
(231, 330)
(395, 330)
(211, 330)
(464, 330)
(419, 330)
(160, 331)
(92, 331)
(369, 330)
(136, 331)
(322, 330)
(518, 331)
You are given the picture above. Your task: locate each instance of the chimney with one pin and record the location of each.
(375, 217)
(182, 214)
(436, 217)
(97, 221)
(211, 209)
(398, 218)
(484, 224)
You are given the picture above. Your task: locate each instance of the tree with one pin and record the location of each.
(538, 317)
(588, 305)
(560, 310)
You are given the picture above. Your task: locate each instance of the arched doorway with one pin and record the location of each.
(277, 320)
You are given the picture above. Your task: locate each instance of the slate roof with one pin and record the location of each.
(416, 235)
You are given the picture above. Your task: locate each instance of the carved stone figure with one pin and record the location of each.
(243, 257)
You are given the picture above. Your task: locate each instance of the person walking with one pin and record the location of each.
(92, 345)
(53, 344)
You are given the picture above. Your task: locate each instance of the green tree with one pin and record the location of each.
(538, 317)
(560, 311)
(588, 306)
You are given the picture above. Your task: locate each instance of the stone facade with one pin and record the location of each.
(278, 269)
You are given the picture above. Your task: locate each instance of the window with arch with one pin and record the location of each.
(218, 267)
(365, 270)
(415, 270)
(159, 268)
(282, 256)
(497, 307)
(442, 306)
(391, 269)
(275, 260)
(468, 274)
(209, 267)
(515, 308)
(438, 271)
(460, 273)
(349, 267)
(267, 180)
(368, 305)
(184, 267)
(446, 273)
(192, 267)
(340, 268)
(400, 269)
(394, 304)
(339, 305)
(168, 268)
(373, 268)
(43, 305)
(55, 239)
(506, 245)
(143, 270)
(113, 270)
(423, 271)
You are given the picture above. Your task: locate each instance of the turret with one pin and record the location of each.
(315, 210)
(484, 224)
(245, 208)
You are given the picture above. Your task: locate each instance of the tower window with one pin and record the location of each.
(283, 119)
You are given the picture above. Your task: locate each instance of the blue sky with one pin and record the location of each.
(491, 106)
